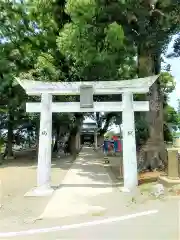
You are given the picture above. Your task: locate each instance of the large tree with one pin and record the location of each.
(152, 25)
(50, 64)
(96, 50)
(103, 33)
(14, 27)
(149, 25)
(83, 40)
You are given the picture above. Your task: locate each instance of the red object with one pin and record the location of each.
(119, 146)
(115, 138)
(110, 147)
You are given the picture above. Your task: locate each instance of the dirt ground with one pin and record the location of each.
(17, 177)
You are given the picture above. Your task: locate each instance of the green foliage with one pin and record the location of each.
(71, 40)
(171, 118)
(176, 47)
(81, 10)
(178, 109)
(171, 122)
(97, 50)
(167, 83)
(141, 130)
(114, 36)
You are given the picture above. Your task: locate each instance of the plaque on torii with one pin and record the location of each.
(86, 90)
(86, 96)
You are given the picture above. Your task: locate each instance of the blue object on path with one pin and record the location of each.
(105, 146)
(116, 146)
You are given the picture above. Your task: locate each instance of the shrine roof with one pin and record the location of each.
(139, 85)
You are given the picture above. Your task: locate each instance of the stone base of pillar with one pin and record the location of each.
(40, 192)
(168, 182)
(125, 190)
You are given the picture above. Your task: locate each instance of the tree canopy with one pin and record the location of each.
(81, 40)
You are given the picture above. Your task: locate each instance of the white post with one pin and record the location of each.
(95, 140)
(129, 144)
(44, 152)
(45, 141)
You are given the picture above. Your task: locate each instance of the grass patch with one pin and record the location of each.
(146, 187)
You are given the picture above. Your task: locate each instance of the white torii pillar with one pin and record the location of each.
(46, 107)
(129, 144)
(127, 107)
(44, 153)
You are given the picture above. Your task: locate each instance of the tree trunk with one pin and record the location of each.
(9, 145)
(103, 130)
(100, 140)
(55, 147)
(152, 155)
(72, 142)
(73, 132)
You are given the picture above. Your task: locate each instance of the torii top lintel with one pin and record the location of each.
(139, 85)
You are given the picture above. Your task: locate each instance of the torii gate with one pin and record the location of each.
(86, 90)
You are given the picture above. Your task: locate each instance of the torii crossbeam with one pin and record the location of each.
(125, 87)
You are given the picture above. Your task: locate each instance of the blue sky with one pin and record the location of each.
(175, 70)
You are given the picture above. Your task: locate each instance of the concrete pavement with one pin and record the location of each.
(84, 183)
(163, 225)
(88, 194)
